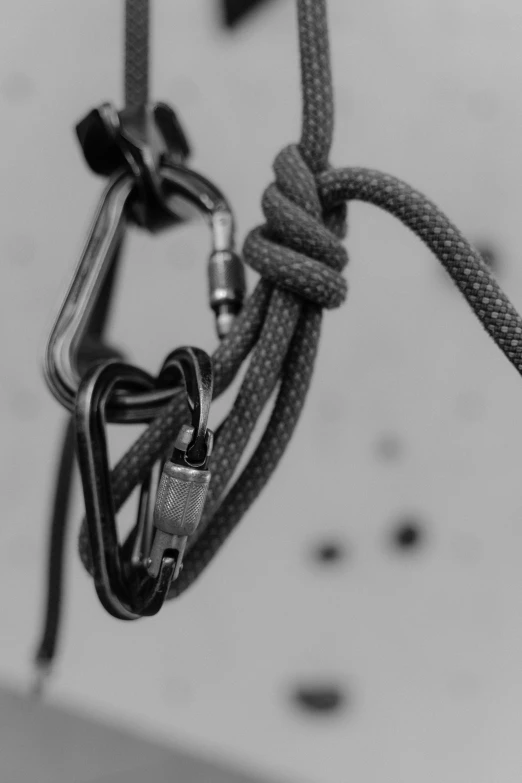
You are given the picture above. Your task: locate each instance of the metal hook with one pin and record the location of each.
(124, 585)
(183, 189)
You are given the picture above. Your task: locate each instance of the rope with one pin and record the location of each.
(299, 255)
(137, 18)
(56, 549)
(92, 350)
(463, 263)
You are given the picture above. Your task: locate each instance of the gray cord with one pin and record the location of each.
(300, 257)
(137, 22)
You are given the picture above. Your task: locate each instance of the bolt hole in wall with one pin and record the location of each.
(234, 11)
(319, 698)
(408, 534)
(330, 552)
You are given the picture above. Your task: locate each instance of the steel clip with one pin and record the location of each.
(185, 190)
(125, 582)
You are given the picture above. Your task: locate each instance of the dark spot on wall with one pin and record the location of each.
(408, 534)
(388, 447)
(330, 552)
(319, 698)
(234, 11)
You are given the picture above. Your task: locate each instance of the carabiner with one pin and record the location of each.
(186, 191)
(125, 585)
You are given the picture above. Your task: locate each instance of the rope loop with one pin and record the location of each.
(299, 247)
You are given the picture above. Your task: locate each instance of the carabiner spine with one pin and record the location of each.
(61, 355)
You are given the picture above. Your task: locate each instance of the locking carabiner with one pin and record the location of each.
(127, 587)
(186, 191)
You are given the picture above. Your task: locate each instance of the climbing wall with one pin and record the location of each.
(364, 622)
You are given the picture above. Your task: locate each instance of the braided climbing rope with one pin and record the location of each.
(137, 22)
(299, 256)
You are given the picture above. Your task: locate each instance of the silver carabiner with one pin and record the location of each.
(186, 194)
(61, 369)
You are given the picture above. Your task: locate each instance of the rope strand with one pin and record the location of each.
(299, 254)
(137, 24)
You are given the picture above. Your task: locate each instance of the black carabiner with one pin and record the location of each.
(125, 588)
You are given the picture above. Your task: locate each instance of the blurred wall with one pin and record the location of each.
(417, 622)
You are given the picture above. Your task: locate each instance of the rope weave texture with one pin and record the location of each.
(299, 254)
(137, 16)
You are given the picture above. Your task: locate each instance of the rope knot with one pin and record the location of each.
(299, 247)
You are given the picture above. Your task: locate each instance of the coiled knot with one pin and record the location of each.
(299, 246)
